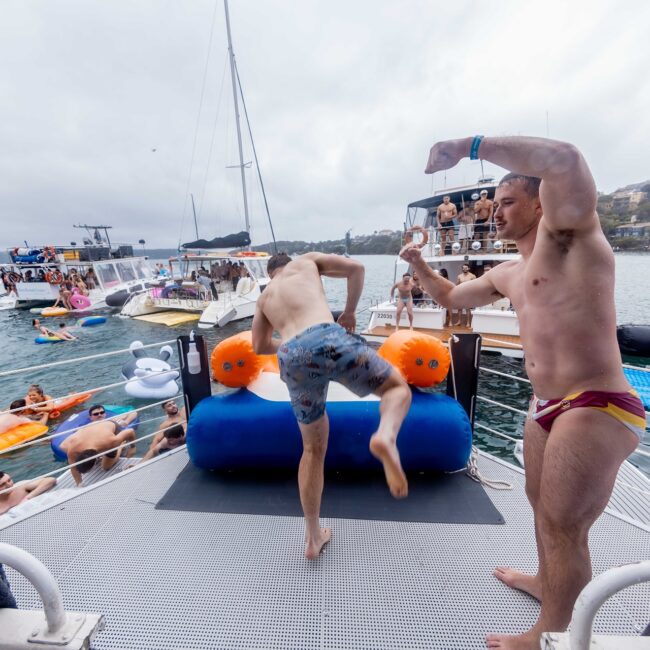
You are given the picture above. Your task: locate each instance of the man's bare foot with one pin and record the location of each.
(456, 324)
(387, 453)
(528, 641)
(518, 580)
(313, 547)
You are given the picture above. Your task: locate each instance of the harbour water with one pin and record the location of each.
(632, 303)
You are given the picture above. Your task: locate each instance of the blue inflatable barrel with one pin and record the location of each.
(252, 428)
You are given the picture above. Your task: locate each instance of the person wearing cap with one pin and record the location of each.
(483, 211)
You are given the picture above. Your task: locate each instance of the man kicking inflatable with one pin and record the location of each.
(314, 350)
(584, 420)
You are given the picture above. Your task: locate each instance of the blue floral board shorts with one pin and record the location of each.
(324, 353)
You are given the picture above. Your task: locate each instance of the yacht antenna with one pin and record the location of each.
(234, 96)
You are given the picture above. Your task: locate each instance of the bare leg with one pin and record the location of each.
(409, 313)
(395, 402)
(310, 484)
(572, 496)
(534, 445)
(398, 312)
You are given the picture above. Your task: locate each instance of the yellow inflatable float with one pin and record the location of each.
(21, 433)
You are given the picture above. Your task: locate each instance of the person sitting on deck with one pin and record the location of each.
(18, 492)
(100, 436)
(171, 438)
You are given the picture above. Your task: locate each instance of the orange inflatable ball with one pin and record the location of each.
(235, 364)
(422, 360)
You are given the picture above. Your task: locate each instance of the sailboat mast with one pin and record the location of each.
(234, 95)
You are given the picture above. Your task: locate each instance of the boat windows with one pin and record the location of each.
(107, 275)
(141, 269)
(125, 270)
(257, 268)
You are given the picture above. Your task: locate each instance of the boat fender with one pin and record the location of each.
(634, 339)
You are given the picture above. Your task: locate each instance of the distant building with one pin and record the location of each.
(385, 232)
(626, 199)
(634, 229)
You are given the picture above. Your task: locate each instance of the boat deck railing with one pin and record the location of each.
(94, 391)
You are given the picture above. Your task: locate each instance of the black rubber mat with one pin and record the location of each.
(446, 498)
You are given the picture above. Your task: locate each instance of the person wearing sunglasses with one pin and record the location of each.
(103, 439)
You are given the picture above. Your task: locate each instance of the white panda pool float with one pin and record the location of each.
(156, 379)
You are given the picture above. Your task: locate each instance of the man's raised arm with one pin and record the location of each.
(336, 266)
(568, 193)
(468, 294)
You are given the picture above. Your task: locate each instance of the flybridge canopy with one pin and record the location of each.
(237, 240)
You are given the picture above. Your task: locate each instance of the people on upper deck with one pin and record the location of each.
(11, 494)
(483, 215)
(445, 217)
(465, 228)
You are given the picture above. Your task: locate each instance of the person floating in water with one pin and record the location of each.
(314, 350)
(584, 418)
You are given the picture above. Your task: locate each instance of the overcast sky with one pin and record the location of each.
(101, 100)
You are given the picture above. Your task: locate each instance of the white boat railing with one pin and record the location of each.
(26, 628)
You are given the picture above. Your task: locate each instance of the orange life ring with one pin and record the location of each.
(408, 237)
(54, 277)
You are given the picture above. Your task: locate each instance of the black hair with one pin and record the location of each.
(95, 406)
(529, 183)
(444, 273)
(176, 431)
(88, 464)
(169, 401)
(277, 261)
(61, 324)
(34, 321)
(2, 474)
(18, 404)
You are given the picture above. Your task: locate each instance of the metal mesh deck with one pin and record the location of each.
(176, 580)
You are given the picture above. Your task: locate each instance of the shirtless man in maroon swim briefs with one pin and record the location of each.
(585, 419)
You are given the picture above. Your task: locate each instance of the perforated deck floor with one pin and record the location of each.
(176, 580)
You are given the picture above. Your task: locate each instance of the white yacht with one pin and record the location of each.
(35, 273)
(225, 300)
(497, 322)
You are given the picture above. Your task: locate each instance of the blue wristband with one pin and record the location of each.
(476, 143)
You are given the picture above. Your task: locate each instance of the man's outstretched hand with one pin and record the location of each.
(410, 253)
(445, 155)
(348, 321)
